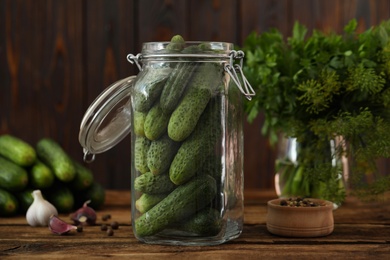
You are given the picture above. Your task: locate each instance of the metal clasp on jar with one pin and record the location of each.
(135, 59)
(243, 85)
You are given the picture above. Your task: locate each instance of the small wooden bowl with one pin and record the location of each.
(300, 221)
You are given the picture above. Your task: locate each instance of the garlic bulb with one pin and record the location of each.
(84, 214)
(39, 212)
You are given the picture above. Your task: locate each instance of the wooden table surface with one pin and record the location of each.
(362, 231)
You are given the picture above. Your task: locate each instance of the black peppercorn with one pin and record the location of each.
(106, 217)
(103, 227)
(114, 225)
(110, 232)
(80, 228)
(283, 203)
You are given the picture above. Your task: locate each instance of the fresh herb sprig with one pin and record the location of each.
(325, 85)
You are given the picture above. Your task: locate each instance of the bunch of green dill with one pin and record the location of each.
(325, 85)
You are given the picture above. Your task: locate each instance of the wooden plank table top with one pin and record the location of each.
(362, 231)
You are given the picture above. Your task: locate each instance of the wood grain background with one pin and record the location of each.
(56, 56)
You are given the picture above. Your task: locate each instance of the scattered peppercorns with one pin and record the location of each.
(109, 228)
(299, 202)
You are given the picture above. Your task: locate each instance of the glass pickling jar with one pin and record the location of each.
(184, 110)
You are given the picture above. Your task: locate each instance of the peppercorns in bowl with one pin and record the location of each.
(300, 217)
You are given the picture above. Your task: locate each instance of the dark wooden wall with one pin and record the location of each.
(56, 56)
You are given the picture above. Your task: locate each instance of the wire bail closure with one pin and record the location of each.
(135, 59)
(88, 156)
(232, 70)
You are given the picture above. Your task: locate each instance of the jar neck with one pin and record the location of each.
(184, 58)
(195, 51)
(189, 47)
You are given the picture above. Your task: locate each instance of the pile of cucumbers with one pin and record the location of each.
(63, 181)
(177, 145)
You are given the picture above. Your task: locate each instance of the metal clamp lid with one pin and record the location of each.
(232, 69)
(107, 120)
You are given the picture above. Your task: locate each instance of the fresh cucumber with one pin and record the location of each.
(61, 197)
(8, 204)
(212, 166)
(147, 201)
(205, 81)
(197, 148)
(53, 155)
(148, 87)
(156, 122)
(95, 193)
(41, 176)
(83, 178)
(185, 117)
(151, 80)
(161, 153)
(139, 122)
(206, 222)
(17, 150)
(177, 44)
(175, 86)
(141, 148)
(153, 184)
(12, 176)
(181, 203)
(25, 199)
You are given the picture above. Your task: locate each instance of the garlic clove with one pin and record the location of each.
(58, 226)
(84, 215)
(39, 212)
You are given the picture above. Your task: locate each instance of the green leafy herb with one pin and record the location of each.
(321, 86)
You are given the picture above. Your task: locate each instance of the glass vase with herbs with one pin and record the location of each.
(330, 94)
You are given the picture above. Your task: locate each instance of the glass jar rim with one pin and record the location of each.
(204, 47)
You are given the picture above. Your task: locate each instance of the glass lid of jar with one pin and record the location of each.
(107, 121)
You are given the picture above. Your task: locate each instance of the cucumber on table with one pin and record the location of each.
(61, 197)
(17, 150)
(41, 176)
(95, 193)
(83, 178)
(52, 154)
(12, 176)
(25, 199)
(181, 203)
(8, 204)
